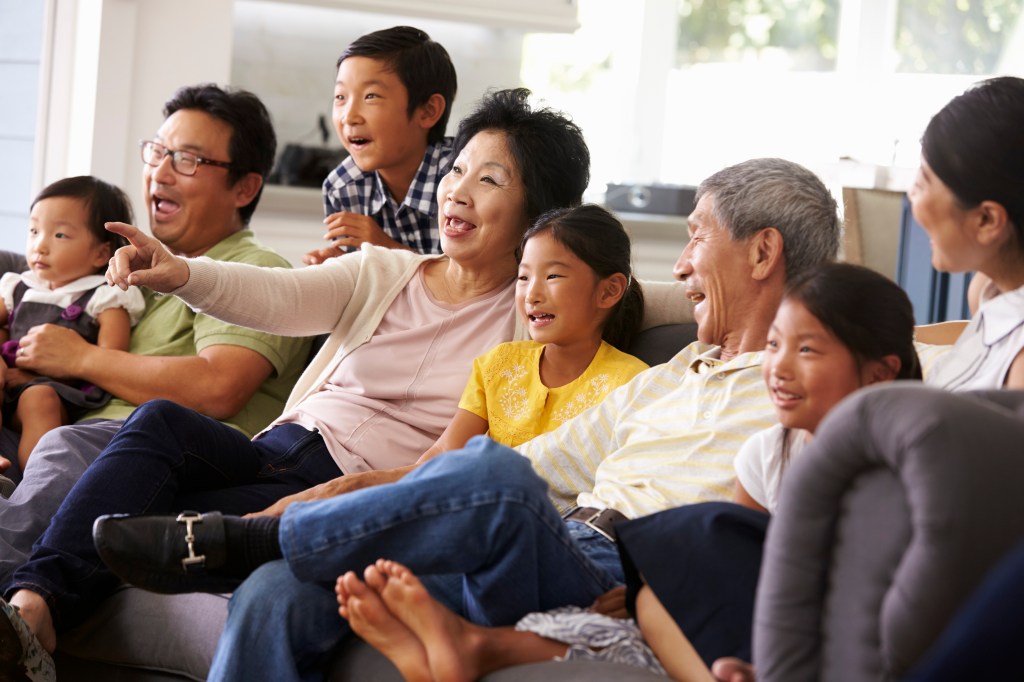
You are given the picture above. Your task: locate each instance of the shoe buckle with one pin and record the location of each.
(192, 560)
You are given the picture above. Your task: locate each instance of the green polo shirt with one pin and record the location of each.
(171, 328)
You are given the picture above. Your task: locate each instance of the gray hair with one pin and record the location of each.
(760, 193)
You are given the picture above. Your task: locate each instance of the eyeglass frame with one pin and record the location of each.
(175, 156)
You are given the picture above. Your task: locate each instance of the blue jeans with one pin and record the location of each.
(166, 458)
(481, 514)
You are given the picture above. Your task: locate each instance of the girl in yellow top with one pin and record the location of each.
(577, 297)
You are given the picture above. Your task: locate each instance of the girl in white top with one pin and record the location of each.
(67, 252)
(967, 198)
(839, 327)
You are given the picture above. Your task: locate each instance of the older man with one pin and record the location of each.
(203, 174)
(479, 523)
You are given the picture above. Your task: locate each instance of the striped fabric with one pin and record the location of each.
(666, 438)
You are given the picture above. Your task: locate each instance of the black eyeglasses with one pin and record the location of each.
(182, 162)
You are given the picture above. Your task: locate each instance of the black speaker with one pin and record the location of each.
(657, 198)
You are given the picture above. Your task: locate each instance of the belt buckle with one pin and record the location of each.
(589, 523)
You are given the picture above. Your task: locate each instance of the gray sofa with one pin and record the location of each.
(144, 637)
(887, 522)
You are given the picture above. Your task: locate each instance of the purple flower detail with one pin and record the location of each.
(72, 312)
(9, 351)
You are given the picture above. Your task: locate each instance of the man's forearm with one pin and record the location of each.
(192, 381)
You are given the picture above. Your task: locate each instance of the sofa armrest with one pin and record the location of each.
(886, 523)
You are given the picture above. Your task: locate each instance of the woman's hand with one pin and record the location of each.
(144, 262)
(337, 486)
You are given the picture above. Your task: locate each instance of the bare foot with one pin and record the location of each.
(5, 464)
(452, 643)
(370, 619)
(733, 670)
(34, 611)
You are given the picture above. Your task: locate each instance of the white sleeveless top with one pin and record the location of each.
(982, 355)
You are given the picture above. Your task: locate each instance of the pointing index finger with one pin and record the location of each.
(133, 234)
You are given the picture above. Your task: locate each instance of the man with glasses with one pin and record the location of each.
(203, 173)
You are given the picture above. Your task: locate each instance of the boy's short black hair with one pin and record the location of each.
(105, 203)
(253, 141)
(422, 65)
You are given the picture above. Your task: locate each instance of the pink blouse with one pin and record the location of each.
(392, 397)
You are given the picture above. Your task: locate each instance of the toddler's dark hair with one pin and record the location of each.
(104, 203)
(599, 240)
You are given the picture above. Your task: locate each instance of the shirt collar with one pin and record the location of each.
(422, 191)
(999, 315)
(81, 284)
(224, 246)
(701, 358)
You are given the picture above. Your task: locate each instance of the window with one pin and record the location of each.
(672, 90)
(800, 34)
(963, 36)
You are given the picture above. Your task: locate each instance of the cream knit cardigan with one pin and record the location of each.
(345, 297)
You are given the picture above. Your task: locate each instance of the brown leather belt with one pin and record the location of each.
(601, 520)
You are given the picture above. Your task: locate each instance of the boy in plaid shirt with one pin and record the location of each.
(392, 100)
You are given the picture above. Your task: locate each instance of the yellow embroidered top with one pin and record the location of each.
(505, 389)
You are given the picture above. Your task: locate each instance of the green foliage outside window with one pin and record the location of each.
(805, 31)
(932, 36)
(954, 36)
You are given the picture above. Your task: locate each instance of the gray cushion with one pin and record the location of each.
(12, 262)
(658, 344)
(145, 637)
(143, 630)
(886, 523)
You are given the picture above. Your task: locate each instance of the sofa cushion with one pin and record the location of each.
(886, 523)
(145, 637)
(138, 629)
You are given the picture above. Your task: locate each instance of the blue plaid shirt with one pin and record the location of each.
(412, 222)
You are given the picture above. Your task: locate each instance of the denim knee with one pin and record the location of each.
(160, 411)
(484, 463)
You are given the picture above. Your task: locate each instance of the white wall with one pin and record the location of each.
(286, 53)
(111, 66)
(21, 40)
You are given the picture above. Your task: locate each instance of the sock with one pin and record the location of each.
(250, 543)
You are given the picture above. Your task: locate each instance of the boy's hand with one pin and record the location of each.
(346, 229)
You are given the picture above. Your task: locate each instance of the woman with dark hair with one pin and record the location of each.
(967, 196)
(404, 329)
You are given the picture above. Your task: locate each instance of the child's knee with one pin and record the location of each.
(38, 400)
